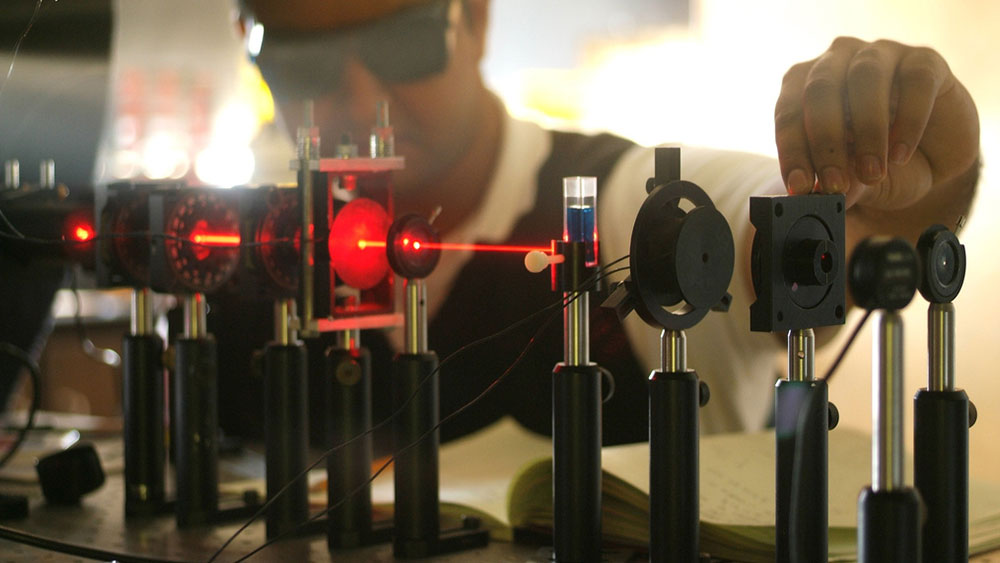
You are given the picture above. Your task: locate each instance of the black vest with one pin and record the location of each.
(490, 293)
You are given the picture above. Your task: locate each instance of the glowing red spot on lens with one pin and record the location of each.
(416, 245)
(349, 182)
(357, 260)
(83, 233)
(209, 239)
(205, 239)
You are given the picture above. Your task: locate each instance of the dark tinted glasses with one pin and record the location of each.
(411, 45)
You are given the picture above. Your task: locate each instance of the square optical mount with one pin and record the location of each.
(797, 262)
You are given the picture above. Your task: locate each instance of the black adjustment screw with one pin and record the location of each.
(832, 416)
(704, 394)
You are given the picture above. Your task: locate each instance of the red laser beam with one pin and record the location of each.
(211, 239)
(418, 245)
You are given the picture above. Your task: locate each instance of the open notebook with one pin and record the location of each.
(504, 474)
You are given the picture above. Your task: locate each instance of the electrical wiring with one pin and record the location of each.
(105, 356)
(22, 356)
(17, 47)
(74, 549)
(800, 428)
(557, 305)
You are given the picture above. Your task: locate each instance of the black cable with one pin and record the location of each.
(105, 356)
(811, 398)
(17, 47)
(610, 377)
(847, 345)
(414, 443)
(560, 304)
(517, 361)
(74, 549)
(16, 233)
(36, 376)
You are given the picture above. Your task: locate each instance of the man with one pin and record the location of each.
(886, 124)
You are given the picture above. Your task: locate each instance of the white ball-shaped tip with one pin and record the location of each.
(536, 261)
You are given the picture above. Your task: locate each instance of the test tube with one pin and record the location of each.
(580, 214)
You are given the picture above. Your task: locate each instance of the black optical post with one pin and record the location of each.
(144, 411)
(941, 411)
(196, 412)
(416, 519)
(798, 276)
(286, 424)
(576, 423)
(349, 417)
(681, 263)
(883, 276)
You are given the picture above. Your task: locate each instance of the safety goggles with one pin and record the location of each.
(411, 45)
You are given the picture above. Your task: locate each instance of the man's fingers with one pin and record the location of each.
(790, 133)
(869, 85)
(825, 120)
(921, 77)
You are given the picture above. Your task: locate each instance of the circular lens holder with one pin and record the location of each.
(412, 247)
(681, 256)
(943, 264)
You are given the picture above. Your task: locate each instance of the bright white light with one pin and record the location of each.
(69, 438)
(126, 130)
(228, 160)
(124, 164)
(162, 157)
(225, 165)
(254, 39)
(234, 123)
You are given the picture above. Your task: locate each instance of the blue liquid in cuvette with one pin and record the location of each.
(580, 228)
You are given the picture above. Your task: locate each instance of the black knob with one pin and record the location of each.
(883, 273)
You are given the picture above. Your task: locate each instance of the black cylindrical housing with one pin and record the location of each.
(286, 436)
(889, 526)
(144, 419)
(416, 516)
(673, 466)
(349, 417)
(576, 463)
(801, 422)
(196, 416)
(941, 472)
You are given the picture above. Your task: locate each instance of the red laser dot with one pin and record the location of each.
(350, 182)
(416, 245)
(83, 232)
(354, 234)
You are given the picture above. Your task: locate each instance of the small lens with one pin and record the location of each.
(944, 264)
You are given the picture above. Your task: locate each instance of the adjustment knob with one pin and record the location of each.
(883, 273)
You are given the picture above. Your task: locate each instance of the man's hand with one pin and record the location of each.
(884, 123)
